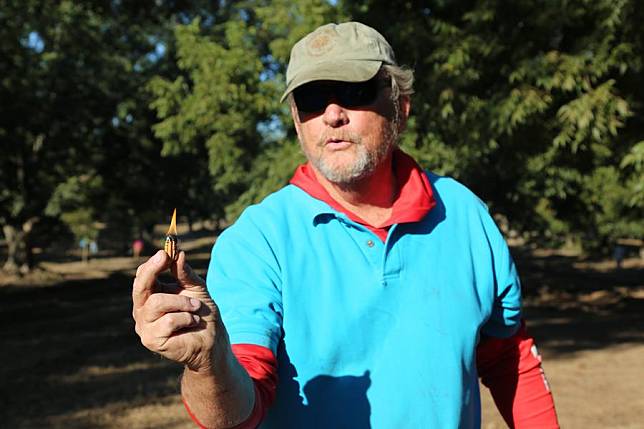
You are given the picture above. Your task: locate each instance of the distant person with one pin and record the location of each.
(93, 248)
(619, 253)
(83, 244)
(137, 247)
(367, 293)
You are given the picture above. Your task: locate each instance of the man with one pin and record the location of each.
(367, 293)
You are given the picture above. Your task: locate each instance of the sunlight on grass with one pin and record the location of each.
(92, 372)
(168, 412)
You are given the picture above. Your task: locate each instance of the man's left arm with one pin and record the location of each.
(507, 358)
(511, 369)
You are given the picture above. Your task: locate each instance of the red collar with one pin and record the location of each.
(414, 200)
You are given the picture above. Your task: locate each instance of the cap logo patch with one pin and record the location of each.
(321, 43)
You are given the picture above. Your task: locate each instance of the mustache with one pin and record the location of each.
(339, 135)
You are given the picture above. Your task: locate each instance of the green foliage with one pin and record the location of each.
(226, 100)
(271, 171)
(117, 112)
(73, 201)
(221, 107)
(534, 105)
(72, 76)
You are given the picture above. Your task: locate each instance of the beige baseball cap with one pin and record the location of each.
(347, 52)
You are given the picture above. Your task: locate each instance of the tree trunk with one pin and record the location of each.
(19, 258)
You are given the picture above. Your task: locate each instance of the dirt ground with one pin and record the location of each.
(69, 357)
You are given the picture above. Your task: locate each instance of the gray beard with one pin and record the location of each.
(363, 165)
(366, 161)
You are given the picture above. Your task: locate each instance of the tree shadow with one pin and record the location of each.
(573, 305)
(72, 348)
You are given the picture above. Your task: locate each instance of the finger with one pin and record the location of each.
(159, 331)
(159, 287)
(185, 274)
(146, 275)
(163, 287)
(160, 304)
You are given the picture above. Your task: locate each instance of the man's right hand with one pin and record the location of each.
(179, 321)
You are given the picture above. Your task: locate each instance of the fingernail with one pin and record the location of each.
(195, 318)
(195, 302)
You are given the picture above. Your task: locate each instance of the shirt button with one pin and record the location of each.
(370, 243)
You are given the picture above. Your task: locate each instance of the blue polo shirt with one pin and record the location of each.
(367, 334)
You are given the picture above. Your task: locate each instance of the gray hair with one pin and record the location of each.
(402, 80)
(401, 85)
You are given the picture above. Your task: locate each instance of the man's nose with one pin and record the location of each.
(335, 115)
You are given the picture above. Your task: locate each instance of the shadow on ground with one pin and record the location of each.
(573, 305)
(70, 347)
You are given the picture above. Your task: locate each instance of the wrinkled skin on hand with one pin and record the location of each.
(179, 321)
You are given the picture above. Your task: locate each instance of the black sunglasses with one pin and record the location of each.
(315, 96)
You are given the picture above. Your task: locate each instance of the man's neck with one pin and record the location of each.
(371, 198)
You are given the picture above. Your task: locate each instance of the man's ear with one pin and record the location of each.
(295, 115)
(405, 108)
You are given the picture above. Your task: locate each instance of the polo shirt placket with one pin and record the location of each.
(384, 257)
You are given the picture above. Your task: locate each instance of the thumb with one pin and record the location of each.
(184, 273)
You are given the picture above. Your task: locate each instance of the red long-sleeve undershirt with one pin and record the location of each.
(509, 367)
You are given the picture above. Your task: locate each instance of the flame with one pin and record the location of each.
(173, 224)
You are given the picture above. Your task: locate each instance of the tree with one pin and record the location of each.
(533, 105)
(74, 112)
(113, 113)
(43, 112)
(226, 99)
